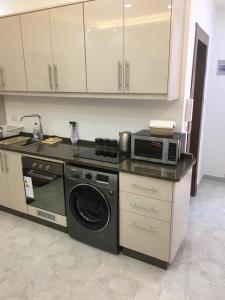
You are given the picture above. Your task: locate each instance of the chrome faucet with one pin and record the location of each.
(40, 135)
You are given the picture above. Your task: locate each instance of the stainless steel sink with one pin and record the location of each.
(19, 141)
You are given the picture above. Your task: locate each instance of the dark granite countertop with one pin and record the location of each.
(159, 171)
(69, 153)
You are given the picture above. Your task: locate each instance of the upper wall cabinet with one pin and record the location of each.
(54, 49)
(12, 70)
(104, 45)
(67, 27)
(37, 50)
(153, 32)
(147, 45)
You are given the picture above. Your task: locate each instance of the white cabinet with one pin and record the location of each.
(153, 32)
(37, 50)
(12, 70)
(147, 46)
(67, 28)
(4, 189)
(154, 215)
(12, 194)
(15, 181)
(104, 45)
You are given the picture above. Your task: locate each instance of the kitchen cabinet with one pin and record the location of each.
(104, 45)
(4, 188)
(37, 51)
(12, 69)
(153, 46)
(147, 45)
(153, 215)
(12, 194)
(67, 31)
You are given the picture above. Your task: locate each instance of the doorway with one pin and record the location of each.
(197, 93)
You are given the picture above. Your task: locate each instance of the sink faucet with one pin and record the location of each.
(40, 135)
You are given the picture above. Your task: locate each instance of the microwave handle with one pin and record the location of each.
(41, 176)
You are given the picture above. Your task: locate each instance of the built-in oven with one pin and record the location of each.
(44, 188)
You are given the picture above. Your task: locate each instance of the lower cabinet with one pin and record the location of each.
(153, 215)
(12, 194)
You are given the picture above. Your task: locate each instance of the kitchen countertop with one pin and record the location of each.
(69, 153)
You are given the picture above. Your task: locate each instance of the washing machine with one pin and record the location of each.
(92, 203)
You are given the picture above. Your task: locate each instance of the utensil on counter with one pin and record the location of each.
(125, 142)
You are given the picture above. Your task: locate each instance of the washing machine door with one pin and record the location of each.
(89, 207)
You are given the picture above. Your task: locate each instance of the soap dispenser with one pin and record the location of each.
(74, 133)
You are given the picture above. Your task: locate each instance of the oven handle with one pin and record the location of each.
(42, 176)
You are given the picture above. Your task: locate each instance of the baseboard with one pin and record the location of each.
(145, 258)
(34, 219)
(215, 178)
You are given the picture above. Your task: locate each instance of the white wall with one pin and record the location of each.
(202, 12)
(96, 118)
(214, 134)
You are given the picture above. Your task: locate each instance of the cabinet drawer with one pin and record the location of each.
(149, 187)
(145, 206)
(145, 235)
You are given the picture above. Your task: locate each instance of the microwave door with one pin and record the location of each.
(152, 150)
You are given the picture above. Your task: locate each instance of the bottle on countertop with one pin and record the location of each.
(36, 131)
(74, 133)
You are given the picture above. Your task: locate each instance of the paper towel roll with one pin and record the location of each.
(162, 124)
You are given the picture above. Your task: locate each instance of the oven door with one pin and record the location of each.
(154, 150)
(45, 191)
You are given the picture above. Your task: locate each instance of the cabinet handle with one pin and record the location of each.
(127, 75)
(2, 168)
(136, 205)
(50, 76)
(56, 76)
(144, 187)
(120, 70)
(2, 78)
(6, 163)
(152, 229)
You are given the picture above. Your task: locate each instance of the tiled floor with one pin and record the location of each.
(37, 262)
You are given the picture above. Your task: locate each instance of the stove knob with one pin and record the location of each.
(34, 165)
(88, 176)
(40, 166)
(47, 168)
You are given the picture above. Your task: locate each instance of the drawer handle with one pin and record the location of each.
(144, 187)
(152, 229)
(136, 205)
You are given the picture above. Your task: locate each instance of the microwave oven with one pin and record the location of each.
(158, 149)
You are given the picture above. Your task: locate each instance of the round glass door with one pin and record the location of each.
(89, 207)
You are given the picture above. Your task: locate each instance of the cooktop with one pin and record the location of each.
(105, 155)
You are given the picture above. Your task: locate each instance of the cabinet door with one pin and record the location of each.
(12, 70)
(67, 27)
(104, 45)
(37, 50)
(147, 45)
(15, 181)
(4, 189)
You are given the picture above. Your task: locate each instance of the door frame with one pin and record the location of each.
(194, 138)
